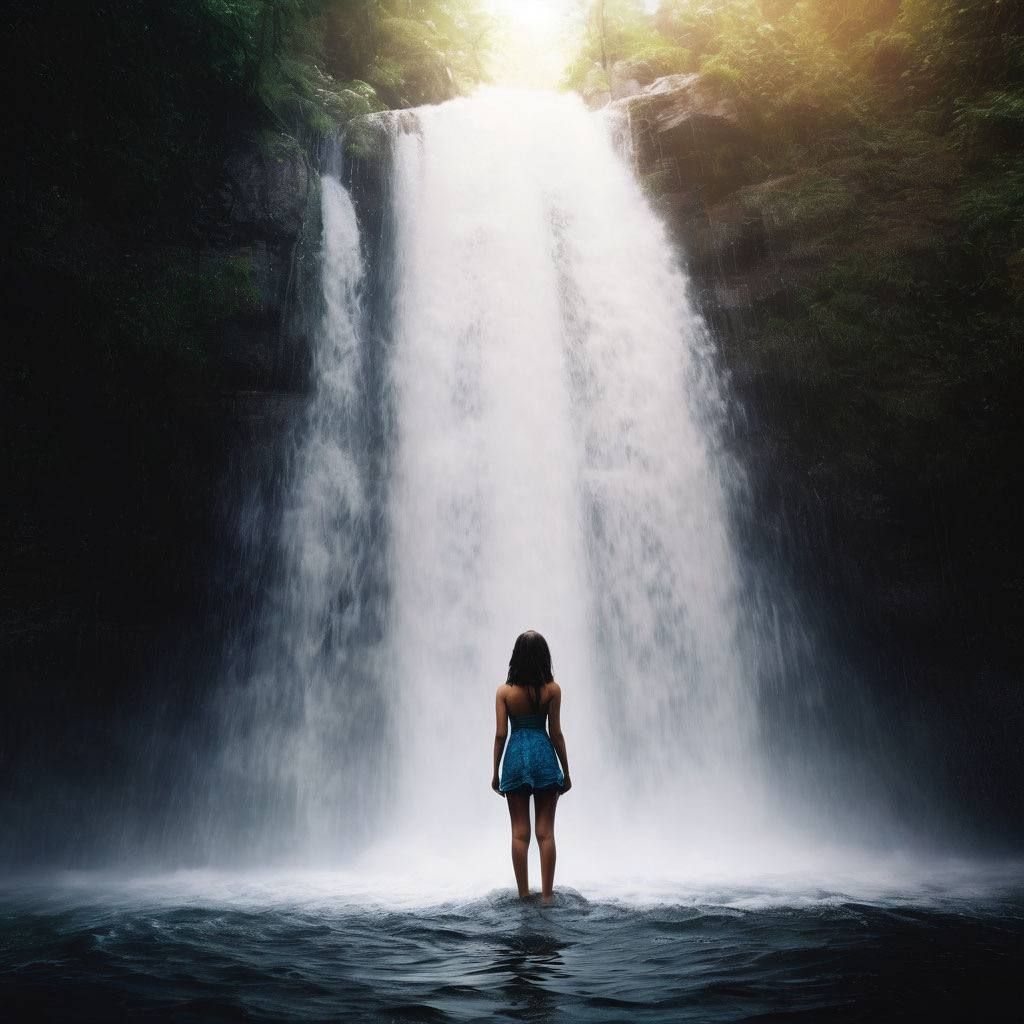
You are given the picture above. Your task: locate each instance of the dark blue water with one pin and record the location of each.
(68, 953)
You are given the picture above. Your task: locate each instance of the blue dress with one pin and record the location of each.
(530, 761)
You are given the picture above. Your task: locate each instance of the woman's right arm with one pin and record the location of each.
(555, 731)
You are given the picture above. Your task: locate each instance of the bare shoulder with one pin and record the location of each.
(503, 688)
(554, 689)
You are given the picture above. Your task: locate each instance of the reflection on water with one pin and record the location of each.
(82, 952)
(530, 964)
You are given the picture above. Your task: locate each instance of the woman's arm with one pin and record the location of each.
(500, 734)
(555, 732)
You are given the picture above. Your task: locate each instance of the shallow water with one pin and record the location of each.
(217, 949)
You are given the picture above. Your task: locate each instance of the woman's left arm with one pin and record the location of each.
(500, 735)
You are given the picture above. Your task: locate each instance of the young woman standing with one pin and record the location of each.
(529, 699)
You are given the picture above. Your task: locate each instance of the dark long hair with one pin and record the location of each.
(530, 664)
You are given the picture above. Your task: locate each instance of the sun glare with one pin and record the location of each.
(534, 40)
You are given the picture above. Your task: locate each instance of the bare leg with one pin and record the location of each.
(519, 812)
(545, 802)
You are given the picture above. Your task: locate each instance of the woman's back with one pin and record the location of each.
(521, 701)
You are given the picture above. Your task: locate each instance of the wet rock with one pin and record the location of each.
(690, 149)
(723, 241)
(677, 121)
(269, 220)
(368, 137)
(266, 188)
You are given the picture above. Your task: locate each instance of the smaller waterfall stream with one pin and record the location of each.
(304, 701)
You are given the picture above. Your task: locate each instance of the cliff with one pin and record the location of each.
(199, 348)
(872, 370)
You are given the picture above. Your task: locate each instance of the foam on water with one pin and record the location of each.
(424, 888)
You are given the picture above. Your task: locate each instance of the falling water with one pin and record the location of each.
(544, 453)
(555, 468)
(302, 756)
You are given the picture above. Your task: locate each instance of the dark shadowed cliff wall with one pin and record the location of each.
(162, 215)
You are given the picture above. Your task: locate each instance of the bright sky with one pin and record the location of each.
(537, 39)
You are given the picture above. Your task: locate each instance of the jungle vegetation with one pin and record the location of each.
(887, 170)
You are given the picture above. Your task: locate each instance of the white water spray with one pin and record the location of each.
(551, 462)
(303, 726)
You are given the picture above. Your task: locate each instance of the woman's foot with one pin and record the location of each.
(548, 900)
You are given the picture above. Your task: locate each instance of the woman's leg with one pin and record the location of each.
(519, 812)
(546, 800)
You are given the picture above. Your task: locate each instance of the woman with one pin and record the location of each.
(526, 698)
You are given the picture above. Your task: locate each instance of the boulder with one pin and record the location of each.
(677, 118)
(690, 149)
(368, 137)
(266, 188)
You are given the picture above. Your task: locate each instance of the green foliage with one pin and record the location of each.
(721, 75)
(996, 116)
(887, 131)
(797, 66)
(410, 51)
(617, 32)
(802, 204)
(654, 58)
(994, 204)
(961, 49)
(886, 176)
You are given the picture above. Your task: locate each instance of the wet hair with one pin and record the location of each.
(530, 664)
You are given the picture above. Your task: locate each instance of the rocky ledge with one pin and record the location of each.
(691, 152)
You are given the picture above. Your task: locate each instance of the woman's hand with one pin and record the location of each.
(494, 786)
(567, 784)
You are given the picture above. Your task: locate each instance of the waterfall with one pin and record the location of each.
(301, 717)
(555, 468)
(549, 457)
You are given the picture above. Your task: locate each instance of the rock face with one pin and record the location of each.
(691, 151)
(266, 188)
(269, 220)
(624, 79)
(842, 504)
(693, 156)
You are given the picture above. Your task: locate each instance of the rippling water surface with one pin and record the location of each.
(83, 949)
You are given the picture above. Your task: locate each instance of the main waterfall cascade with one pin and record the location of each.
(550, 459)
(554, 469)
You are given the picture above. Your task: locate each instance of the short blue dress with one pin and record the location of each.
(530, 761)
